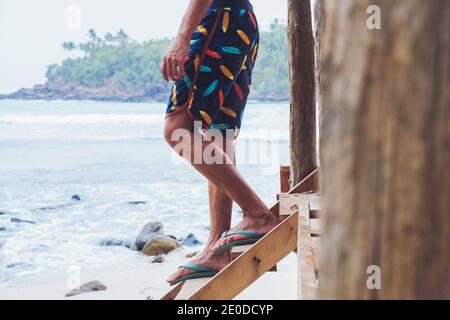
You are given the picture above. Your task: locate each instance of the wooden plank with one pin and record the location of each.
(172, 294)
(315, 250)
(288, 204)
(250, 265)
(285, 176)
(314, 202)
(307, 284)
(190, 287)
(238, 250)
(185, 289)
(308, 184)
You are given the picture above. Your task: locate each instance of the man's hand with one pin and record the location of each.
(172, 67)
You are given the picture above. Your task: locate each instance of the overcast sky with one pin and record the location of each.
(32, 31)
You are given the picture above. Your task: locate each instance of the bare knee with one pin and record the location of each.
(169, 129)
(175, 126)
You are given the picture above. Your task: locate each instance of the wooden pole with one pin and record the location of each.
(303, 105)
(319, 15)
(386, 151)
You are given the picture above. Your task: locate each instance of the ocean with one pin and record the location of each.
(74, 174)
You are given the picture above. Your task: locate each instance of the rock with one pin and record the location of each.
(2, 213)
(17, 220)
(116, 243)
(150, 298)
(158, 259)
(87, 287)
(160, 244)
(2, 229)
(191, 254)
(149, 231)
(76, 197)
(190, 241)
(135, 203)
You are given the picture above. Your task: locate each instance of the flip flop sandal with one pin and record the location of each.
(200, 272)
(252, 237)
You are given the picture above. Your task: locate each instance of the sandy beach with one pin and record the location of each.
(146, 281)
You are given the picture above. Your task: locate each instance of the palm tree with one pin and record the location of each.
(93, 35)
(69, 46)
(123, 38)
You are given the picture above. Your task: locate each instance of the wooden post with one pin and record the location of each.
(303, 105)
(285, 177)
(319, 14)
(386, 151)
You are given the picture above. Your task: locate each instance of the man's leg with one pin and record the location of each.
(220, 210)
(220, 205)
(224, 176)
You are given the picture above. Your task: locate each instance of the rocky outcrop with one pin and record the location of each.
(56, 90)
(76, 197)
(160, 244)
(147, 233)
(152, 241)
(190, 241)
(87, 287)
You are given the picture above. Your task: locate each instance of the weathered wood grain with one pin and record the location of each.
(302, 90)
(385, 150)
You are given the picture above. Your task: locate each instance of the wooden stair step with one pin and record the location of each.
(246, 268)
(252, 261)
(238, 250)
(185, 289)
(251, 264)
(288, 203)
(309, 230)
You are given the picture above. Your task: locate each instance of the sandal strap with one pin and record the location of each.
(249, 234)
(196, 268)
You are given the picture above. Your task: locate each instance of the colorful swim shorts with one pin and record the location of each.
(219, 66)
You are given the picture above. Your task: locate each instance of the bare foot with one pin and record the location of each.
(261, 225)
(206, 259)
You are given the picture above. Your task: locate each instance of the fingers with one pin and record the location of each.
(176, 66)
(181, 69)
(172, 68)
(164, 70)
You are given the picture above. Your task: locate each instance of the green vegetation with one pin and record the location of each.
(271, 73)
(122, 64)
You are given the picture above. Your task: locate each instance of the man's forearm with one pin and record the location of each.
(194, 14)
